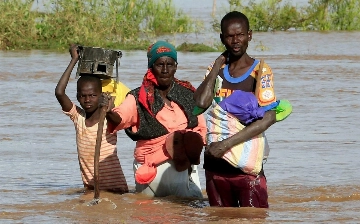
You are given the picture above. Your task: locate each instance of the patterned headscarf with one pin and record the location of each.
(160, 49)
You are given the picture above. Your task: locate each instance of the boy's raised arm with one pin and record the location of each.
(63, 99)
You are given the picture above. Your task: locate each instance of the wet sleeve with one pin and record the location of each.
(128, 113)
(73, 113)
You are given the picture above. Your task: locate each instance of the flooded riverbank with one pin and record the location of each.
(311, 171)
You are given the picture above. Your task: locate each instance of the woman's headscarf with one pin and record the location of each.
(160, 49)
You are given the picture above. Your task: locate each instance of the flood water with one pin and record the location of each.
(312, 168)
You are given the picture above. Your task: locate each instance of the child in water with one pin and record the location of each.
(86, 119)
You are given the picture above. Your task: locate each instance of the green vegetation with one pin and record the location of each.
(195, 48)
(134, 24)
(125, 24)
(318, 15)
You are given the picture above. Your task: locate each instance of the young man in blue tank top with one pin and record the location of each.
(226, 185)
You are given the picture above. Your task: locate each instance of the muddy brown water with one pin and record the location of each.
(312, 169)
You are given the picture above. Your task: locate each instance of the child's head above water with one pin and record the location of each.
(88, 78)
(89, 92)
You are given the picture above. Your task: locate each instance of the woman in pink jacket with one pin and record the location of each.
(169, 138)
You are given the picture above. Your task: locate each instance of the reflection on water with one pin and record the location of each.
(311, 171)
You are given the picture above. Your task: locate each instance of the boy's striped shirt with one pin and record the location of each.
(111, 176)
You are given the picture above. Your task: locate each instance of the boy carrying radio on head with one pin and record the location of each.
(86, 119)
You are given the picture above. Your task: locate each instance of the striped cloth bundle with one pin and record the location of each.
(247, 156)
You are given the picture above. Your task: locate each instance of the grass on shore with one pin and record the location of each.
(135, 24)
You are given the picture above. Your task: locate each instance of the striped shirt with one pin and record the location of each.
(111, 176)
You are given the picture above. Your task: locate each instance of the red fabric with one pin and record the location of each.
(186, 84)
(146, 93)
(184, 147)
(145, 174)
(147, 171)
(231, 190)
